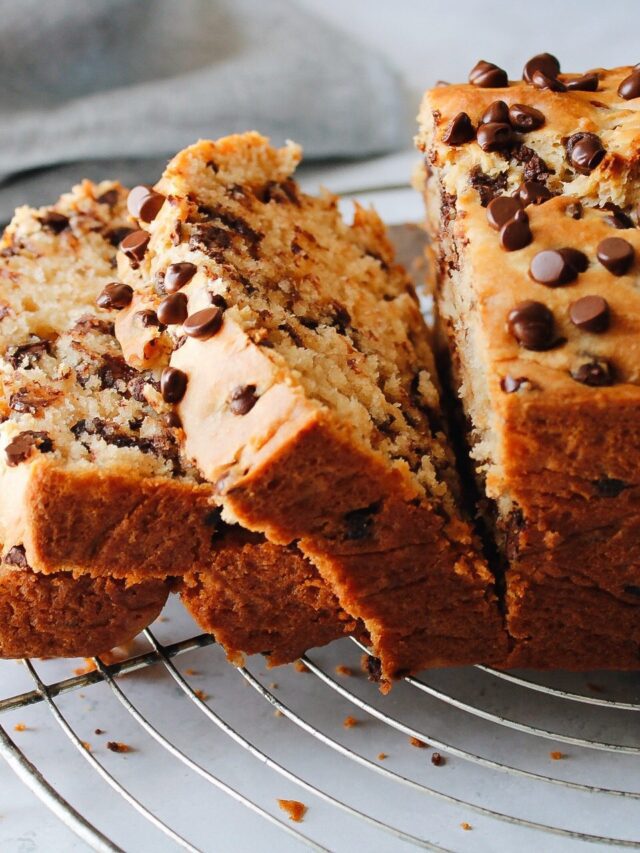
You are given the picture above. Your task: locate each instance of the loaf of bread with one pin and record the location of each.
(295, 352)
(532, 192)
(92, 483)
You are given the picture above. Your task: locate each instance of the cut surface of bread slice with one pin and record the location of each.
(297, 354)
(91, 478)
(532, 200)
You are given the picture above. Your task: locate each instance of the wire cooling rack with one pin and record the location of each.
(466, 759)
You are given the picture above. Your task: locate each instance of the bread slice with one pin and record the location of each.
(310, 398)
(551, 391)
(91, 477)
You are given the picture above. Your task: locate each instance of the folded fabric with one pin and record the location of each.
(127, 80)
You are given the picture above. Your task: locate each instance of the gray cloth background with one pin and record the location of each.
(112, 88)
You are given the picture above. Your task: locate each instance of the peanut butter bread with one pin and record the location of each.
(532, 191)
(91, 478)
(297, 357)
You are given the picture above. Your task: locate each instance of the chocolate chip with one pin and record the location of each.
(54, 222)
(616, 255)
(177, 275)
(173, 384)
(115, 296)
(147, 318)
(501, 210)
(28, 355)
(618, 218)
(486, 75)
(459, 130)
(511, 384)
(134, 246)
(590, 313)
(243, 399)
(219, 301)
(595, 373)
(144, 203)
(359, 522)
(494, 137)
(516, 233)
(525, 118)
(17, 556)
(115, 236)
(110, 198)
(585, 152)
(487, 186)
(574, 210)
(172, 420)
(173, 309)
(437, 760)
(586, 83)
(498, 112)
(534, 167)
(533, 192)
(630, 86)
(543, 81)
(578, 260)
(553, 268)
(545, 62)
(203, 324)
(531, 324)
(610, 487)
(19, 449)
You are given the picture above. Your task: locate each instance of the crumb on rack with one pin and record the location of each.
(294, 808)
(117, 746)
(382, 756)
(300, 666)
(99, 732)
(190, 671)
(349, 722)
(437, 759)
(86, 745)
(20, 727)
(202, 696)
(420, 744)
(273, 685)
(278, 713)
(89, 666)
(556, 755)
(341, 669)
(466, 826)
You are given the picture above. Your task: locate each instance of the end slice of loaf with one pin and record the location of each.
(551, 392)
(312, 406)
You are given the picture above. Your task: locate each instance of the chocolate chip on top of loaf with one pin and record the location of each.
(535, 216)
(304, 380)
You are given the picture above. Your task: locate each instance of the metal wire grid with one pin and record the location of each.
(364, 700)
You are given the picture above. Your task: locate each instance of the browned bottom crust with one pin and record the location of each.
(61, 616)
(558, 624)
(262, 598)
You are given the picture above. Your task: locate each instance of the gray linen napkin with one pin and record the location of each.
(112, 88)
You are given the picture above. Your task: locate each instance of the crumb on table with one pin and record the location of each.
(99, 732)
(20, 727)
(341, 669)
(420, 744)
(556, 755)
(117, 746)
(349, 722)
(466, 826)
(437, 759)
(190, 671)
(382, 756)
(278, 713)
(295, 809)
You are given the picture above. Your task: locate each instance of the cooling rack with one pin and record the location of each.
(459, 759)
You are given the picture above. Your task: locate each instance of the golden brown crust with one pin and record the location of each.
(62, 616)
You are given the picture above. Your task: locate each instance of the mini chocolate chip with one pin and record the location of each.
(459, 130)
(134, 246)
(516, 233)
(497, 112)
(147, 318)
(533, 192)
(590, 313)
(54, 222)
(545, 62)
(585, 152)
(173, 309)
(578, 260)
(610, 487)
(177, 275)
(531, 324)
(173, 384)
(203, 324)
(616, 255)
(630, 86)
(437, 760)
(574, 210)
(243, 399)
(486, 75)
(525, 118)
(219, 301)
(501, 209)
(115, 296)
(543, 81)
(595, 373)
(553, 268)
(585, 83)
(19, 449)
(144, 203)
(510, 384)
(494, 137)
